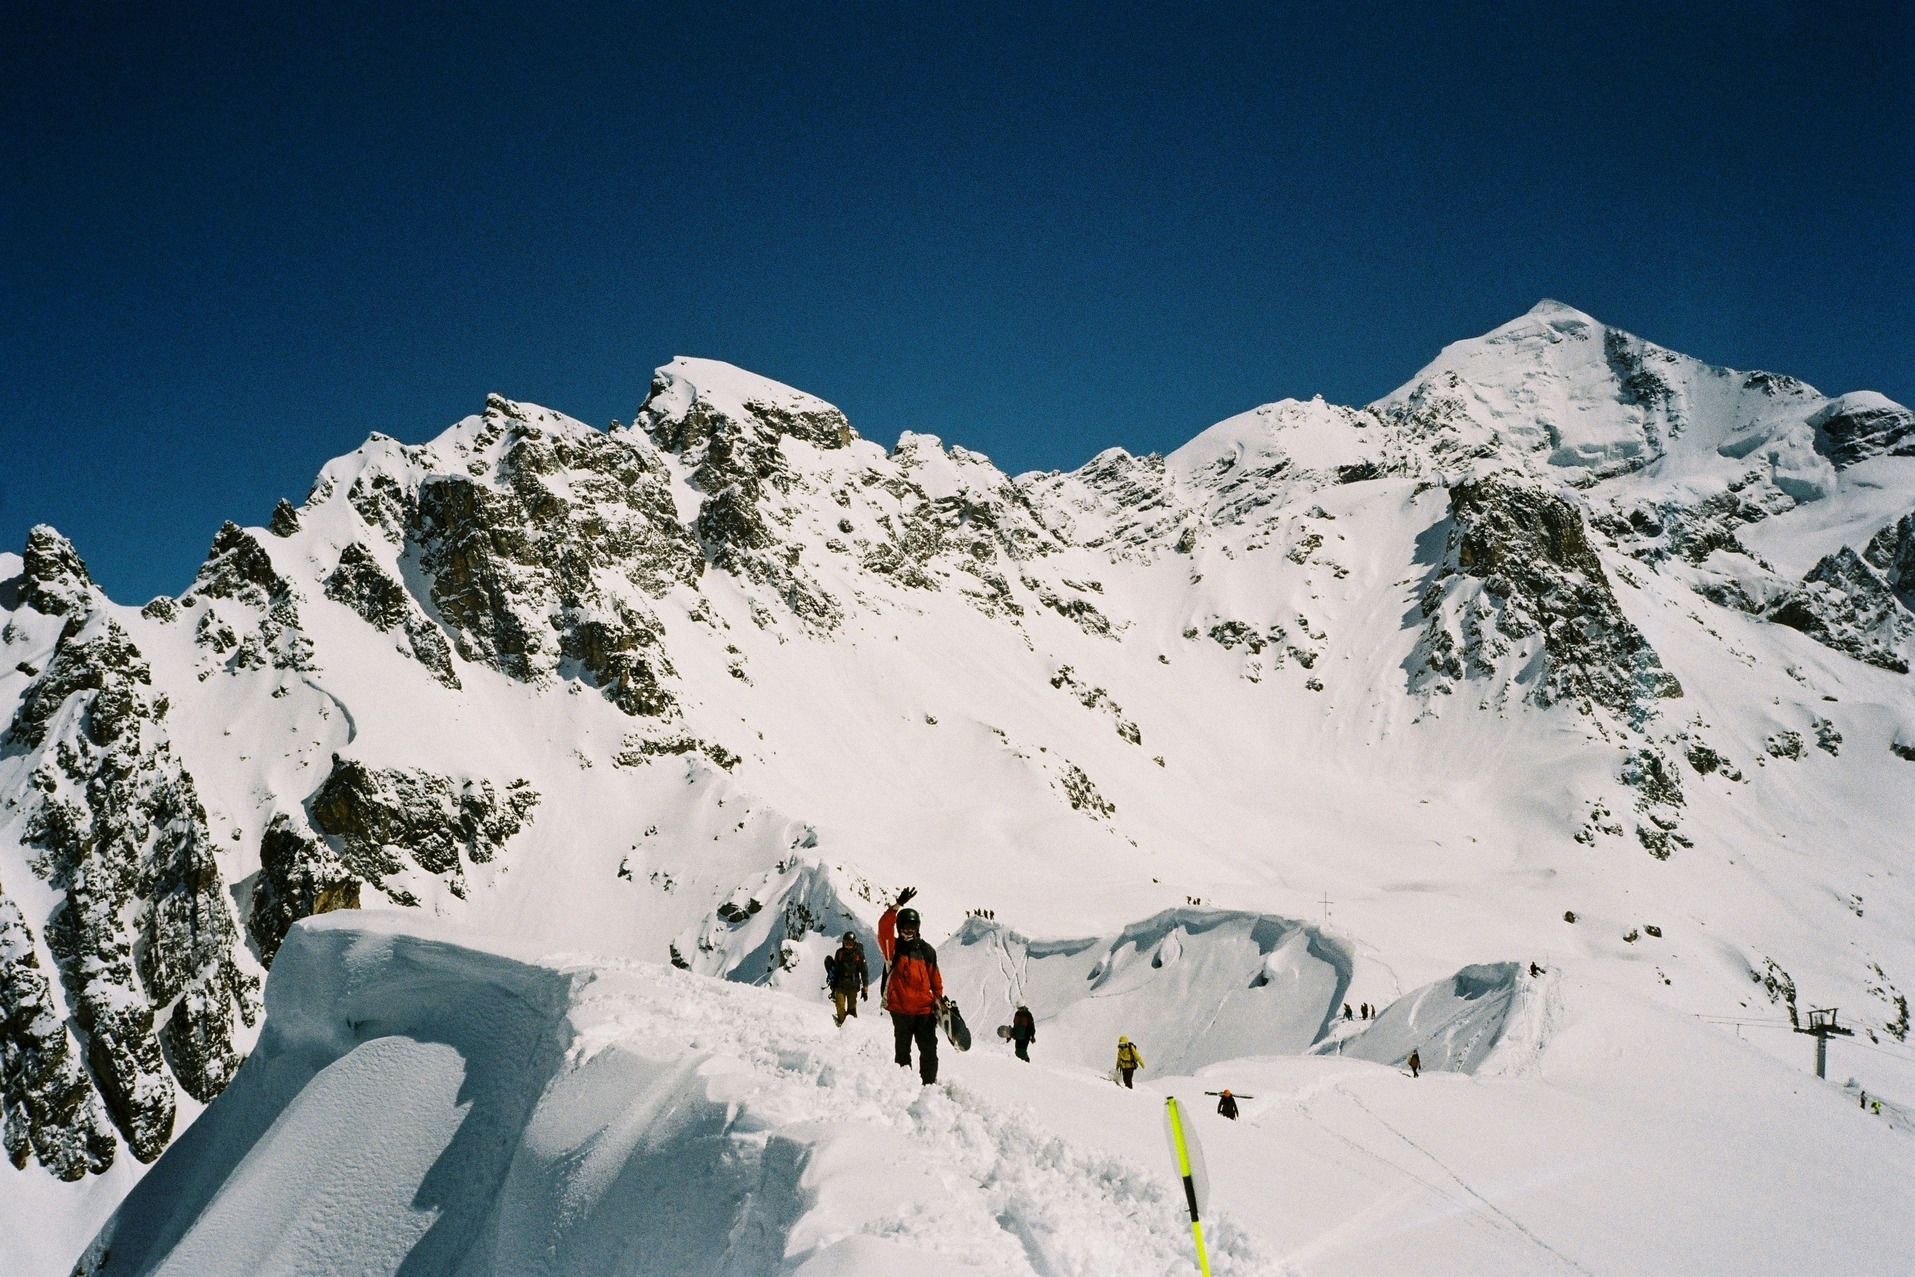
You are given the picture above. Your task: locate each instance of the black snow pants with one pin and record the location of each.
(923, 1028)
(1023, 1045)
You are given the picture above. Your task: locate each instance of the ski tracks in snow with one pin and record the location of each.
(1446, 1185)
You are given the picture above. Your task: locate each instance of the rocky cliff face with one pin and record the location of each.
(609, 686)
(1518, 564)
(142, 932)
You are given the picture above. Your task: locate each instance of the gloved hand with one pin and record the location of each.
(864, 995)
(904, 897)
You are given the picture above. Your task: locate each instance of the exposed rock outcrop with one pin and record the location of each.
(380, 815)
(1857, 426)
(362, 585)
(54, 580)
(295, 868)
(1844, 605)
(285, 520)
(1892, 551)
(52, 1112)
(1539, 578)
(514, 565)
(260, 625)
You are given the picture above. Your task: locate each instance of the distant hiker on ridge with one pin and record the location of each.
(1416, 1063)
(912, 987)
(1024, 1032)
(1129, 1059)
(848, 977)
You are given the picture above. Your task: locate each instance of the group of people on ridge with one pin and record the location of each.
(910, 985)
(911, 988)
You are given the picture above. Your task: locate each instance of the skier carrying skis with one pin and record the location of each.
(1129, 1059)
(1416, 1063)
(1227, 1103)
(912, 988)
(1024, 1032)
(848, 977)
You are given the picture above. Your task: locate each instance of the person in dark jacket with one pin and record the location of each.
(912, 990)
(1024, 1032)
(1227, 1104)
(848, 977)
(1416, 1063)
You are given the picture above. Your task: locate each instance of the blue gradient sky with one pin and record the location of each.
(232, 241)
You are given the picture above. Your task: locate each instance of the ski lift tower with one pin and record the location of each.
(1822, 1026)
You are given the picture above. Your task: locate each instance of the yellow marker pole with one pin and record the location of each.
(1174, 1117)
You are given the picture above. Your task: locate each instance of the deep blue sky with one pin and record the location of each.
(232, 241)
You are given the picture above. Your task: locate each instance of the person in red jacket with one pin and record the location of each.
(912, 989)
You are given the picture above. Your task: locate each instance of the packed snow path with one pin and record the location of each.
(430, 1101)
(418, 1106)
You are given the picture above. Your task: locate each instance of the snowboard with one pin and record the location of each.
(951, 1020)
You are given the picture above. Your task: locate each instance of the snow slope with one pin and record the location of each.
(434, 1102)
(1572, 651)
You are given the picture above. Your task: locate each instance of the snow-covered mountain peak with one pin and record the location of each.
(946, 472)
(1555, 312)
(693, 391)
(53, 578)
(1556, 392)
(1290, 433)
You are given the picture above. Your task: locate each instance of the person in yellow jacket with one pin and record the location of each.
(1129, 1058)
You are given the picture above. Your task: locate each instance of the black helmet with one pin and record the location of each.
(907, 918)
(851, 937)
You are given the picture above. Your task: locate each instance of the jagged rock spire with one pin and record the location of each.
(56, 580)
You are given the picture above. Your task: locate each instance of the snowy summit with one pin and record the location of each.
(443, 883)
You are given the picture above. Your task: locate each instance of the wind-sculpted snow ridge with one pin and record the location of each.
(1573, 648)
(488, 1113)
(1453, 1025)
(1210, 984)
(1214, 985)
